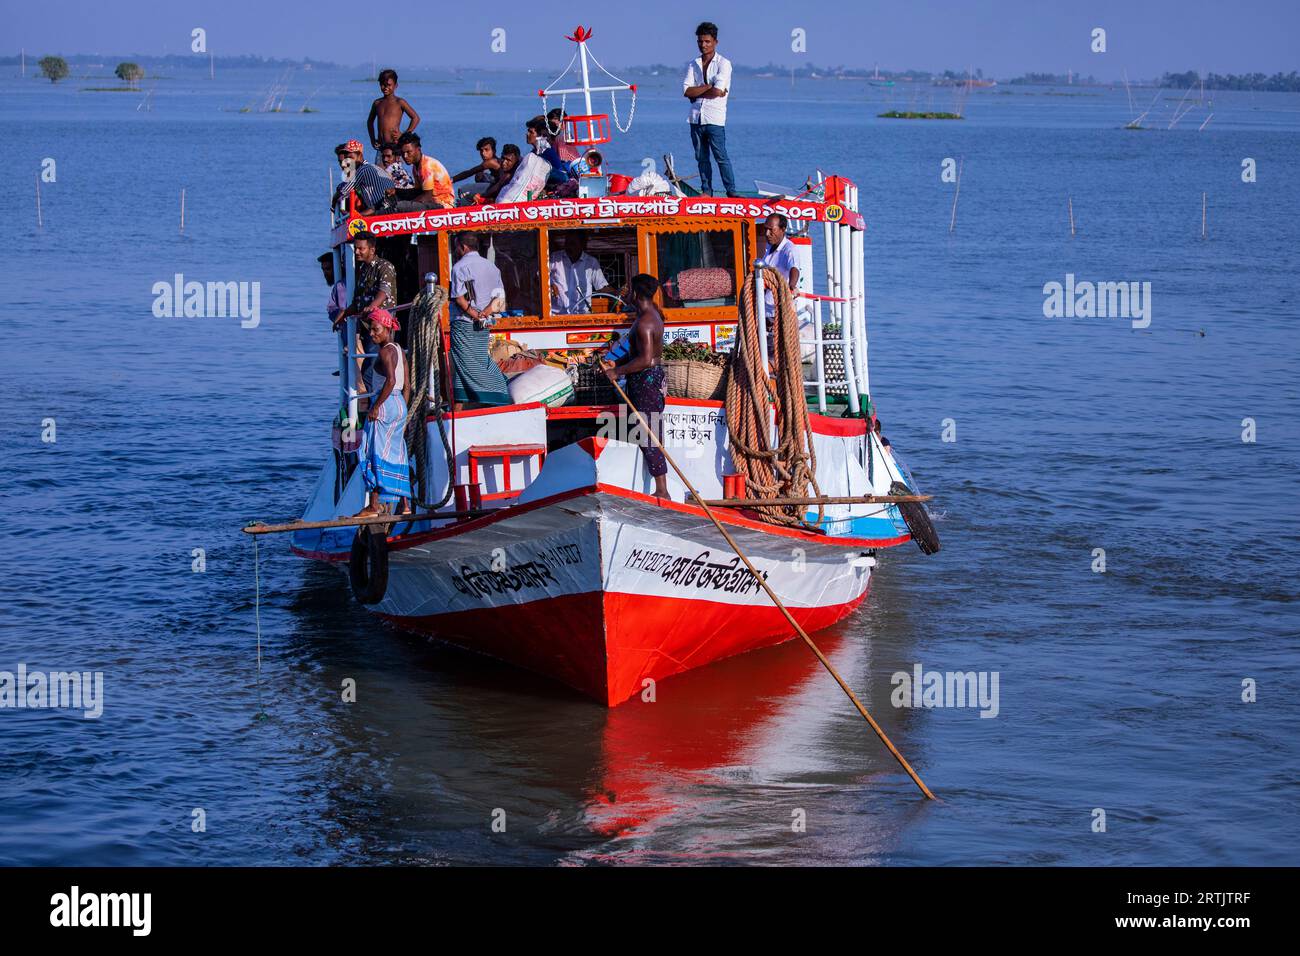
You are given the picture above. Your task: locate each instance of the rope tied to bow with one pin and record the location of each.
(786, 469)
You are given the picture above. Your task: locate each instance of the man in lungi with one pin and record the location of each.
(475, 283)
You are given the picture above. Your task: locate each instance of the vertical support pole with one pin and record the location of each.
(858, 261)
(860, 313)
(760, 313)
(847, 314)
(586, 87)
(350, 337)
(820, 358)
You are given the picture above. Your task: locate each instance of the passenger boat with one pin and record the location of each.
(537, 540)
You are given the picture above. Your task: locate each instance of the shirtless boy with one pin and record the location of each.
(388, 110)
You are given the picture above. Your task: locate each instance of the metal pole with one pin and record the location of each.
(844, 246)
(760, 312)
(350, 337)
(586, 88)
(858, 241)
(820, 359)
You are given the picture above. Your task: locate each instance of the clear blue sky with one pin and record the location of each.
(1004, 37)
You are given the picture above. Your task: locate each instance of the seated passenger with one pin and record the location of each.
(538, 135)
(555, 122)
(528, 181)
(371, 184)
(390, 158)
(509, 163)
(488, 164)
(433, 189)
(575, 276)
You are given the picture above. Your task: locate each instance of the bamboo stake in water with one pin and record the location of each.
(952, 224)
(1070, 203)
(1202, 215)
(39, 222)
(182, 209)
(772, 594)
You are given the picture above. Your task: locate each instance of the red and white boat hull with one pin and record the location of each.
(606, 589)
(586, 578)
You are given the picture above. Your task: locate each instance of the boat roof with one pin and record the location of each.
(601, 211)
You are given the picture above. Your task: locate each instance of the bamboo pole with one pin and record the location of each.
(1202, 215)
(259, 528)
(182, 209)
(952, 224)
(884, 738)
(822, 500)
(40, 223)
(1070, 203)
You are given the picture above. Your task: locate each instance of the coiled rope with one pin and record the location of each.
(787, 470)
(423, 343)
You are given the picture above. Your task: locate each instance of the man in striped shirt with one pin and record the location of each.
(372, 185)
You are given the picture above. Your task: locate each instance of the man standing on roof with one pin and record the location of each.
(707, 83)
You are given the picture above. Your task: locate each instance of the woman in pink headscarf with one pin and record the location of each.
(385, 465)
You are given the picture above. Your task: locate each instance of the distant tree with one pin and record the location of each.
(54, 67)
(129, 72)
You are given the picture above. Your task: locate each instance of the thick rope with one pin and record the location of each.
(423, 341)
(787, 470)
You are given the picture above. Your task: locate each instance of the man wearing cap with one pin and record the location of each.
(373, 187)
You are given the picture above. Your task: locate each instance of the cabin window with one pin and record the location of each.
(614, 251)
(697, 269)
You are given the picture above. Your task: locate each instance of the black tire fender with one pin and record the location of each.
(917, 518)
(368, 564)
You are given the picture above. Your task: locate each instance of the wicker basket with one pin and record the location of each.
(687, 379)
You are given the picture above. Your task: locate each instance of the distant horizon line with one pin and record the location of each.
(199, 60)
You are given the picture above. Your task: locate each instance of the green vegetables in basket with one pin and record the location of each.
(680, 350)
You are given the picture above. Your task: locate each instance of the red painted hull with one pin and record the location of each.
(606, 645)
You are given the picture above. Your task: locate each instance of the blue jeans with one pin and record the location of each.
(706, 137)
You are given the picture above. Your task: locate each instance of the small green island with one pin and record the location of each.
(908, 114)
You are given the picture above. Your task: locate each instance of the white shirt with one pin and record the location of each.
(782, 259)
(703, 110)
(478, 280)
(572, 283)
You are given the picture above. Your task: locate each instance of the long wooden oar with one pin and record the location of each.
(775, 600)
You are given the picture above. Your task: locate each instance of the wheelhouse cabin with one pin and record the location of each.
(702, 249)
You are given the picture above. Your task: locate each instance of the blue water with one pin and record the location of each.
(1118, 690)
